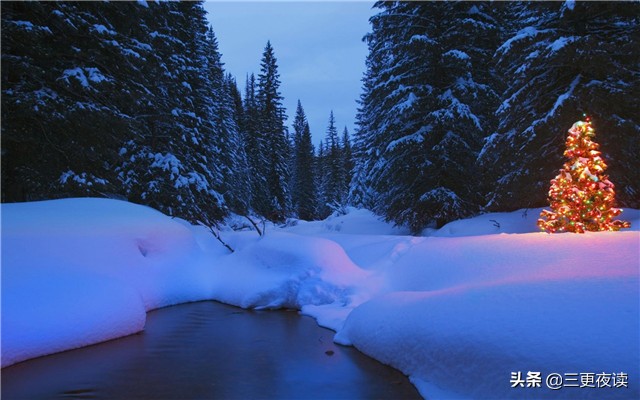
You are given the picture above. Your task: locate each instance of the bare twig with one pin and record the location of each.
(216, 234)
(260, 232)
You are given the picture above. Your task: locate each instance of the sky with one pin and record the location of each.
(318, 47)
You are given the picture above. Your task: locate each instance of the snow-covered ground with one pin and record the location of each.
(467, 311)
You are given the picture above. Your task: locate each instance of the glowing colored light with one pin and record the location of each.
(583, 197)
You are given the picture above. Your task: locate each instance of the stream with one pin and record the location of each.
(209, 350)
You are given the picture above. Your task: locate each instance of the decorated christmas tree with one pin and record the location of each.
(581, 196)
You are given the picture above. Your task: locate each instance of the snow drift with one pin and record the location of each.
(458, 310)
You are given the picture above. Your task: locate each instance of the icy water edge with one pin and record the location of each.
(209, 350)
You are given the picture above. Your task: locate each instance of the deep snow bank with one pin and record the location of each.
(81, 271)
(282, 270)
(458, 312)
(520, 221)
(461, 309)
(461, 314)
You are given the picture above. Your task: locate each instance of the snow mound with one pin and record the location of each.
(483, 307)
(283, 270)
(520, 221)
(354, 222)
(45, 312)
(81, 271)
(458, 311)
(466, 343)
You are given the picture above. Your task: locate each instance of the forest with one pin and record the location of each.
(464, 109)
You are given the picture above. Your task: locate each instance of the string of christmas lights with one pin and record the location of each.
(581, 196)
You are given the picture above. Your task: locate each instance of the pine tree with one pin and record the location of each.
(239, 179)
(273, 131)
(299, 122)
(333, 173)
(320, 167)
(256, 148)
(562, 58)
(347, 164)
(303, 186)
(121, 87)
(581, 196)
(182, 167)
(423, 111)
(63, 94)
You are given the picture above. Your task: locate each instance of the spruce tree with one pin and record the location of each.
(304, 191)
(255, 148)
(272, 130)
(423, 111)
(238, 187)
(320, 167)
(182, 169)
(65, 105)
(347, 164)
(333, 173)
(561, 59)
(581, 196)
(303, 183)
(122, 87)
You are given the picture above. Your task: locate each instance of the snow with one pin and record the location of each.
(570, 4)
(84, 75)
(458, 309)
(24, 24)
(166, 162)
(455, 109)
(564, 96)
(457, 54)
(561, 42)
(82, 178)
(521, 221)
(101, 29)
(407, 103)
(81, 271)
(528, 32)
(29, 26)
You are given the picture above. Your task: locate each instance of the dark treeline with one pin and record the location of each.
(465, 107)
(130, 100)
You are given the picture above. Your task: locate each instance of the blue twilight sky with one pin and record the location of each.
(318, 45)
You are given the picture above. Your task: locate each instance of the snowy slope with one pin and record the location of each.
(458, 310)
(80, 271)
(486, 307)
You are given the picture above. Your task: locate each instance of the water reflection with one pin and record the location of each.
(209, 350)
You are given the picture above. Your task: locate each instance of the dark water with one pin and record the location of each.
(209, 350)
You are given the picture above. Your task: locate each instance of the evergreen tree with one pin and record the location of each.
(65, 105)
(581, 196)
(239, 180)
(562, 59)
(274, 134)
(121, 87)
(303, 188)
(180, 165)
(256, 148)
(347, 162)
(422, 113)
(321, 178)
(333, 173)
(360, 188)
